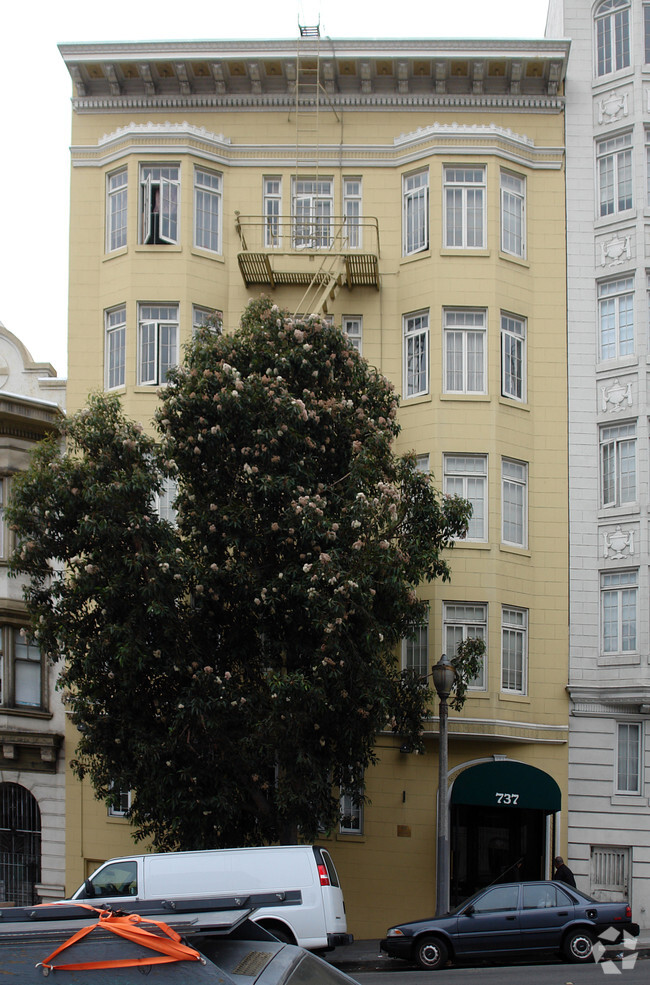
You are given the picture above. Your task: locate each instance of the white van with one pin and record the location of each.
(318, 922)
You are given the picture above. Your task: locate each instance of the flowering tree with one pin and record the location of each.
(232, 669)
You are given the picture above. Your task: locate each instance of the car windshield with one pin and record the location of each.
(313, 971)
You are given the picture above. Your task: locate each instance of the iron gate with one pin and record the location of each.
(20, 845)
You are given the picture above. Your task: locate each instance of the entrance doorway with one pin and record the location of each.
(20, 845)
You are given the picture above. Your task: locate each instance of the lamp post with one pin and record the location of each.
(443, 678)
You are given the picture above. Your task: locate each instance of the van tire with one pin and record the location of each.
(278, 930)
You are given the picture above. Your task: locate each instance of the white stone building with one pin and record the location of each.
(608, 241)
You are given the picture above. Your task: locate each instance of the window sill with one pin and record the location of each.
(510, 697)
(421, 398)
(618, 659)
(513, 258)
(359, 839)
(26, 712)
(208, 254)
(410, 257)
(628, 800)
(618, 363)
(116, 253)
(482, 398)
(515, 404)
(603, 221)
(513, 549)
(158, 248)
(614, 512)
(607, 80)
(464, 251)
(472, 545)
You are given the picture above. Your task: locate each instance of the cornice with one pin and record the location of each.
(185, 138)
(610, 699)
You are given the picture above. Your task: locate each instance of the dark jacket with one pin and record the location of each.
(564, 874)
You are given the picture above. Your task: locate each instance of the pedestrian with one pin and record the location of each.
(563, 872)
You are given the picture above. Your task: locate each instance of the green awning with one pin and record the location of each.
(507, 784)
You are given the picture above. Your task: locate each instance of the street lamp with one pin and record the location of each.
(443, 679)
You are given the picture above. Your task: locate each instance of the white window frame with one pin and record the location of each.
(352, 326)
(23, 674)
(272, 209)
(629, 759)
(416, 354)
(116, 210)
(514, 650)
(312, 210)
(462, 621)
(160, 203)
(415, 212)
(513, 214)
(619, 612)
(465, 350)
(352, 213)
(351, 813)
(163, 501)
(115, 347)
(618, 464)
(616, 318)
(5, 534)
(201, 317)
(513, 357)
(415, 650)
(615, 193)
(611, 37)
(208, 210)
(125, 804)
(467, 476)
(158, 337)
(514, 503)
(646, 33)
(422, 463)
(609, 869)
(464, 207)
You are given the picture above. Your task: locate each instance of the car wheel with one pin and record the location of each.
(431, 953)
(578, 946)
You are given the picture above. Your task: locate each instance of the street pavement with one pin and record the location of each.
(366, 956)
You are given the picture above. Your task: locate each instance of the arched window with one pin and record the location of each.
(20, 845)
(612, 36)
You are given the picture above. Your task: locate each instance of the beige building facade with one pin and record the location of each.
(413, 191)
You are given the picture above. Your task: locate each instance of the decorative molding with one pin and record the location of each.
(618, 543)
(616, 397)
(479, 131)
(167, 128)
(612, 107)
(615, 250)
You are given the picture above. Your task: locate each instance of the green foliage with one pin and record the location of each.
(231, 669)
(467, 662)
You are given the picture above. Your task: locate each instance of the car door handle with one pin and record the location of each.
(511, 918)
(563, 913)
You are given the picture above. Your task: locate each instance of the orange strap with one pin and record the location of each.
(169, 946)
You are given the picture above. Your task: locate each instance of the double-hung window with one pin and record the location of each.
(514, 650)
(159, 204)
(313, 208)
(513, 214)
(116, 210)
(121, 804)
(618, 607)
(272, 206)
(464, 208)
(462, 621)
(616, 317)
(466, 476)
(165, 499)
(415, 212)
(210, 318)
(351, 820)
(207, 210)
(513, 357)
(415, 650)
(614, 165)
(612, 36)
(157, 342)
(416, 354)
(618, 465)
(353, 327)
(23, 670)
(464, 350)
(352, 213)
(646, 32)
(5, 543)
(514, 507)
(115, 348)
(628, 757)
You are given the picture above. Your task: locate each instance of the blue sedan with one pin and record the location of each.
(511, 919)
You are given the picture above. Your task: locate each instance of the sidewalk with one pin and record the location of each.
(365, 955)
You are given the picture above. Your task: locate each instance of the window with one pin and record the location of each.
(415, 650)
(114, 879)
(465, 620)
(5, 544)
(122, 803)
(165, 499)
(352, 212)
(513, 357)
(465, 351)
(207, 210)
(313, 207)
(514, 650)
(116, 210)
(422, 463)
(115, 354)
(465, 208)
(618, 465)
(514, 505)
(628, 758)
(618, 606)
(609, 868)
(415, 212)
(497, 899)
(272, 206)
(159, 204)
(646, 32)
(614, 164)
(612, 36)
(616, 317)
(23, 670)
(353, 327)
(543, 896)
(210, 318)
(157, 342)
(351, 822)
(416, 354)
(466, 476)
(513, 214)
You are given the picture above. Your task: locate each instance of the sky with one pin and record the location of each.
(35, 112)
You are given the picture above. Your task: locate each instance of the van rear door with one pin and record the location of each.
(333, 903)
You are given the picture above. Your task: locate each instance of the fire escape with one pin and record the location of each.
(312, 247)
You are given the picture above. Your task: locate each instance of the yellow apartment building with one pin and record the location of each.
(414, 192)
